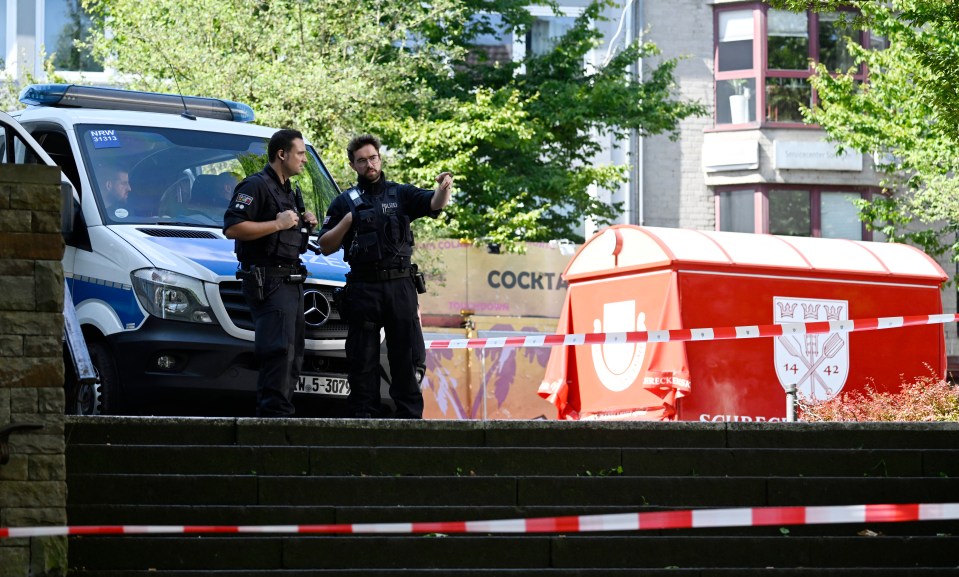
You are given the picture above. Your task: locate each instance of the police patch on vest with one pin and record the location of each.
(244, 198)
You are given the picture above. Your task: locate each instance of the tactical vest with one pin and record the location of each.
(382, 236)
(284, 245)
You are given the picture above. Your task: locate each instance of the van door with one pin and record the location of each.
(52, 138)
(17, 146)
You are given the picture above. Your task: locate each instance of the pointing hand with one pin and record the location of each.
(444, 180)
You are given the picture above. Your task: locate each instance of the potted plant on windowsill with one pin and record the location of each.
(739, 101)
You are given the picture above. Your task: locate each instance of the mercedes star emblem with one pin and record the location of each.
(316, 308)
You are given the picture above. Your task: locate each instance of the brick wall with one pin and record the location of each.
(33, 483)
(675, 193)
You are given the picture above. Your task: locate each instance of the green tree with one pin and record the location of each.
(518, 136)
(906, 113)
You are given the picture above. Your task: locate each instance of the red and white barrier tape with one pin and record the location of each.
(705, 334)
(681, 519)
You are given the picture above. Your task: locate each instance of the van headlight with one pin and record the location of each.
(172, 296)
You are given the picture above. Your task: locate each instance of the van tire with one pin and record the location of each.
(109, 397)
(84, 400)
(80, 399)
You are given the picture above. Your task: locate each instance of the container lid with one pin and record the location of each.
(624, 249)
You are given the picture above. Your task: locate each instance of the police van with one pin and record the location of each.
(151, 275)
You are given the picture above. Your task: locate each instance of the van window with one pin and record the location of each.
(57, 146)
(13, 149)
(166, 176)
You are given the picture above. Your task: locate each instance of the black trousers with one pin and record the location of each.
(392, 306)
(278, 345)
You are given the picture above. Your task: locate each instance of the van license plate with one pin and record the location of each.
(323, 385)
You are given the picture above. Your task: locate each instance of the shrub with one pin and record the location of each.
(924, 399)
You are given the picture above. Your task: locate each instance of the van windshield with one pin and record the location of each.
(156, 175)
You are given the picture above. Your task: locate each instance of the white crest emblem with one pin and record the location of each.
(818, 364)
(617, 365)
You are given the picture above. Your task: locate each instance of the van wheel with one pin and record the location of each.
(105, 396)
(81, 399)
(84, 399)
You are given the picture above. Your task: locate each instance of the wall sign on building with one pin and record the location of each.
(724, 154)
(813, 156)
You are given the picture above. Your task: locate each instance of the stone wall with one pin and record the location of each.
(33, 483)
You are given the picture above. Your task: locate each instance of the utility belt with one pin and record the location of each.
(388, 274)
(290, 273)
(377, 275)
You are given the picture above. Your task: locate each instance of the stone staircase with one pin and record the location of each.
(182, 471)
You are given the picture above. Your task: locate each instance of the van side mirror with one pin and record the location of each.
(72, 225)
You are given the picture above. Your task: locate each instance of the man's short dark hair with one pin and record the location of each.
(282, 140)
(111, 172)
(359, 142)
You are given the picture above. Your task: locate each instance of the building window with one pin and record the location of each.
(64, 23)
(545, 32)
(737, 210)
(735, 65)
(789, 212)
(787, 43)
(498, 44)
(828, 212)
(839, 217)
(493, 46)
(833, 50)
(736, 32)
(758, 46)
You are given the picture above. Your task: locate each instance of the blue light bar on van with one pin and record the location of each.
(74, 96)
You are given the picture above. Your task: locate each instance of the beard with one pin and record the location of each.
(372, 174)
(374, 186)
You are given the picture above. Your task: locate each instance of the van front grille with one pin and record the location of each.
(320, 325)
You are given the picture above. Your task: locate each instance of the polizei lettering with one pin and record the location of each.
(526, 280)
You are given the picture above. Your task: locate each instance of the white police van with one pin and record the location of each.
(152, 276)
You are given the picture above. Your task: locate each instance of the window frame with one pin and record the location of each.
(519, 40)
(21, 52)
(761, 203)
(40, 40)
(760, 71)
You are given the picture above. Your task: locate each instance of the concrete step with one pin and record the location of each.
(393, 433)
(528, 461)
(148, 471)
(508, 552)
(644, 572)
(244, 490)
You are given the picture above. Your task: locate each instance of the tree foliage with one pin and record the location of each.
(907, 113)
(519, 136)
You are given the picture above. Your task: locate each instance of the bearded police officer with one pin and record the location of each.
(267, 219)
(371, 222)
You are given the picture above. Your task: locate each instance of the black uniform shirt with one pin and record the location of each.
(255, 199)
(415, 203)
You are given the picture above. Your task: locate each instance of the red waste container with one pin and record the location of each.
(629, 278)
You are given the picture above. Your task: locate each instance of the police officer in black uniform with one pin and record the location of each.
(271, 227)
(371, 222)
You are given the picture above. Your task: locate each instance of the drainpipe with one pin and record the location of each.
(637, 216)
